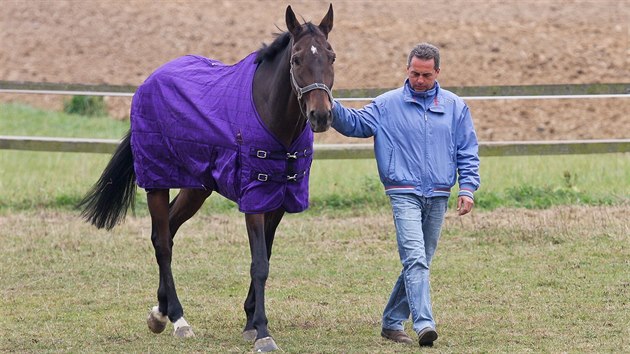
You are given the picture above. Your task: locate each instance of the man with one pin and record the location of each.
(424, 140)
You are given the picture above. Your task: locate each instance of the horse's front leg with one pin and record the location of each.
(169, 306)
(260, 248)
(272, 220)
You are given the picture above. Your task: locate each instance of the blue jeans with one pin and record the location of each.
(418, 222)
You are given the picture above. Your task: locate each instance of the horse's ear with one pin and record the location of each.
(293, 25)
(327, 22)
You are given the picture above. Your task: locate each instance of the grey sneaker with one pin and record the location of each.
(427, 336)
(396, 336)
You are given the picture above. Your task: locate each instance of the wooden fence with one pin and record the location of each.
(339, 151)
(348, 151)
(468, 92)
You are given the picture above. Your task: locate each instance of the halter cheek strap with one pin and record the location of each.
(314, 86)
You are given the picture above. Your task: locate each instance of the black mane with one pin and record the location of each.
(268, 52)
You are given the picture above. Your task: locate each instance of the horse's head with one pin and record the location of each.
(312, 73)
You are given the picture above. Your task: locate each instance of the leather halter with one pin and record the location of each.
(314, 86)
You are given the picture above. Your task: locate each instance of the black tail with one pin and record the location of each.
(107, 202)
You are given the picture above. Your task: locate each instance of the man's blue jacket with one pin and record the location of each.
(422, 140)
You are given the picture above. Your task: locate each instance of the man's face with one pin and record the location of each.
(422, 74)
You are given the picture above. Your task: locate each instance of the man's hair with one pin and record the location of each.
(425, 51)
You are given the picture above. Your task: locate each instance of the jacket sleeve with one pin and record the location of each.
(357, 123)
(467, 155)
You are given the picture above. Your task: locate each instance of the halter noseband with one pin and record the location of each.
(314, 86)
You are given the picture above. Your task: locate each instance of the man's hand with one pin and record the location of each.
(464, 205)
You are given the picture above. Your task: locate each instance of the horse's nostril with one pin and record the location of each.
(325, 118)
(320, 120)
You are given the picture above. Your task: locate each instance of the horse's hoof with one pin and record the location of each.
(250, 335)
(156, 323)
(184, 332)
(264, 345)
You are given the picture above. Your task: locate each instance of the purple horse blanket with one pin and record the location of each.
(194, 125)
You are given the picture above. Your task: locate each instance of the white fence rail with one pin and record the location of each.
(568, 91)
(349, 151)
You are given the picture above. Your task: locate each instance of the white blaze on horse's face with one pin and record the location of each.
(313, 50)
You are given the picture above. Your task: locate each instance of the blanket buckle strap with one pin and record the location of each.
(263, 177)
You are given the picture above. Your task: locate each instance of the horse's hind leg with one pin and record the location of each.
(185, 206)
(161, 236)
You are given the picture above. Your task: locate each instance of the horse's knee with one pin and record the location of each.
(163, 253)
(259, 271)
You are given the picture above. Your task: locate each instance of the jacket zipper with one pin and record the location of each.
(426, 152)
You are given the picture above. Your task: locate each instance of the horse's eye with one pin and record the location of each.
(332, 60)
(296, 61)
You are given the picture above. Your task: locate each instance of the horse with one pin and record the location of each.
(193, 128)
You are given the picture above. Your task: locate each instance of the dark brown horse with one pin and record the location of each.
(290, 91)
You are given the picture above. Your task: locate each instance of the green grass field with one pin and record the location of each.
(541, 265)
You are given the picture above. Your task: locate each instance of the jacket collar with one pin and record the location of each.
(420, 98)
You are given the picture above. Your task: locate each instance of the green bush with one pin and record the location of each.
(91, 106)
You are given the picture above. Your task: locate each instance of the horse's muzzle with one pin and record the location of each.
(320, 120)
